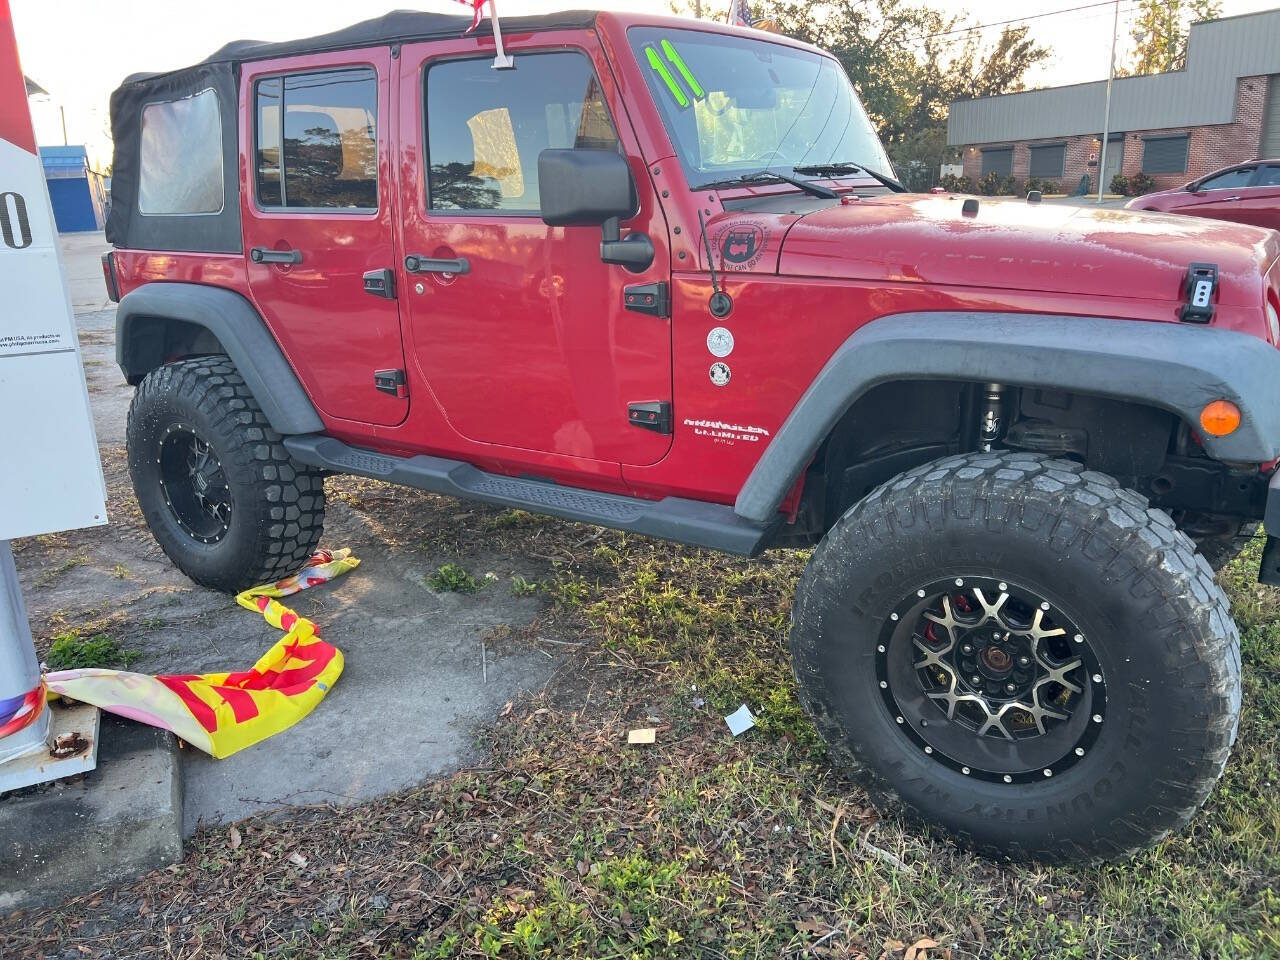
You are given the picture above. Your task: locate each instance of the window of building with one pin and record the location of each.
(180, 157)
(485, 128)
(998, 160)
(325, 152)
(1239, 177)
(1048, 160)
(1164, 154)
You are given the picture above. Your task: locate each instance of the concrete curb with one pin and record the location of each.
(116, 823)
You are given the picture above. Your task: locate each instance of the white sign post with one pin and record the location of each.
(50, 474)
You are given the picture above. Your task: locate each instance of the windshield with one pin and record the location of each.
(737, 105)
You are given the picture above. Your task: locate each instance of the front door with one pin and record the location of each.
(318, 217)
(518, 328)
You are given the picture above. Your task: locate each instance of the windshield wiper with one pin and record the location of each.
(762, 176)
(845, 167)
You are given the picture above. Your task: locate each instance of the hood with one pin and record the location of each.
(1012, 244)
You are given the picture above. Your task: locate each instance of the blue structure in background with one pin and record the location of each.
(79, 195)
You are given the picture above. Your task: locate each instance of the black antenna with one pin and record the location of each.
(720, 304)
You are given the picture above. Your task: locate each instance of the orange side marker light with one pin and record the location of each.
(1220, 418)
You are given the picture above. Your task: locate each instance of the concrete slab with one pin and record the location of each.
(121, 820)
(74, 731)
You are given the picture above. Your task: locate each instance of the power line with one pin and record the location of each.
(1004, 23)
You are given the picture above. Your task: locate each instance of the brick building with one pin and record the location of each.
(1223, 108)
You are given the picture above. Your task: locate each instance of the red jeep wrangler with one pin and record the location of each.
(657, 277)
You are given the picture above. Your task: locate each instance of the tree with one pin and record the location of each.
(1160, 34)
(908, 62)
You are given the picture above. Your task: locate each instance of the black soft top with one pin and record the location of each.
(398, 26)
(220, 232)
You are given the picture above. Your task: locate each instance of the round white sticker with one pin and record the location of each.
(720, 374)
(720, 342)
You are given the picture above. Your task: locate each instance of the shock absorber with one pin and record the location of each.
(991, 426)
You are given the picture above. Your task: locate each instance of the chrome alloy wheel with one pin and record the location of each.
(990, 679)
(194, 484)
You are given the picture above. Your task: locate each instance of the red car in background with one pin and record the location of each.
(1245, 193)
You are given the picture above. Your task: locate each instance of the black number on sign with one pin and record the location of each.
(23, 237)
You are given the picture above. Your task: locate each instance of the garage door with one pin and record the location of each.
(1270, 145)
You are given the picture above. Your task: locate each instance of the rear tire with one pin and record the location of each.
(222, 496)
(1097, 586)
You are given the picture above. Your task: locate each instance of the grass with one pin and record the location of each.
(452, 578)
(71, 651)
(570, 843)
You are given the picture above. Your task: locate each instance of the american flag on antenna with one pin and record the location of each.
(739, 14)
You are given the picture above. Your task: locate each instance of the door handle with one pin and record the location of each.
(416, 264)
(263, 255)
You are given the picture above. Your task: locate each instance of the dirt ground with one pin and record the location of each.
(425, 667)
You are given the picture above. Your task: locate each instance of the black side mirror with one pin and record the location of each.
(594, 187)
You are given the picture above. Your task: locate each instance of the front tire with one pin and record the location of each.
(1023, 653)
(222, 496)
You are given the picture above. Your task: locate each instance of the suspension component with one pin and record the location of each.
(992, 426)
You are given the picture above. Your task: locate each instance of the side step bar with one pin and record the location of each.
(692, 522)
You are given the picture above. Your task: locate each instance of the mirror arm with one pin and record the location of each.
(610, 230)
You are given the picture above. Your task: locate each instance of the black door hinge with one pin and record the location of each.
(655, 416)
(390, 381)
(380, 283)
(1202, 283)
(651, 298)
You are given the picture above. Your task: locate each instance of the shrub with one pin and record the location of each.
(1120, 184)
(1141, 183)
(993, 185)
(954, 184)
(1044, 186)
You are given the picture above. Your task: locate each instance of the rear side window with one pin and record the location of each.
(1232, 178)
(317, 140)
(180, 157)
(486, 127)
(1270, 177)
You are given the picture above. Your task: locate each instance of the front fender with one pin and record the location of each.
(1173, 366)
(238, 328)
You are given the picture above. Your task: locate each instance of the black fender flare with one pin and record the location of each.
(1174, 366)
(240, 330)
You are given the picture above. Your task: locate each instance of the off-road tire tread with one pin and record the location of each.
(1073, 506)
(289, 501)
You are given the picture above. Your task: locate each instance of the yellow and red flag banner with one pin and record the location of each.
(221, 713)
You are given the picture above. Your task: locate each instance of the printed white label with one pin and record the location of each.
(720, 342)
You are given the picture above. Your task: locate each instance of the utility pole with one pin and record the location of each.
(1106, 116)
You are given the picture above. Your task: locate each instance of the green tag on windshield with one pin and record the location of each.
(678, 62)
(660, 68)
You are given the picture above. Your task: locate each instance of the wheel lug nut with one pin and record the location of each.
(1009, 687)
(976, 679)
(1024, 660)
(1079, 751)
(967, 648)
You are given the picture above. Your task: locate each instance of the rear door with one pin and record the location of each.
(1259, 203)
(319, 220)
(532, 346)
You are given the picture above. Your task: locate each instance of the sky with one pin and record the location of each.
(79, 51)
